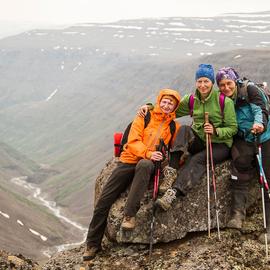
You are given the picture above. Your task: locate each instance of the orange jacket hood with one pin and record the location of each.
(165, 92)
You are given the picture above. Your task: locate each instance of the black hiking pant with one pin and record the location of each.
(244, 167)
(123, 175)
(194, 150)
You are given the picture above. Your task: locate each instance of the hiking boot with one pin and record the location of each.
(170, 175)
(236, 221)
(267, 216)
(262, 238)
(165, 202)
(238, 203)
(90, 253)
(128, 223)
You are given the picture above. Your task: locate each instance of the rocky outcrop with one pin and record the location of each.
(237, 249)
(16, 262)
(188, 214)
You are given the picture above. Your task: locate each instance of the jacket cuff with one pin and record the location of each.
(216, 131)
(148, 154)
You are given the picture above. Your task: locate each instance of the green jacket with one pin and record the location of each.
(225, 127)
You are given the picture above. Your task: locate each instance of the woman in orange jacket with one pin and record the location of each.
(136, 166)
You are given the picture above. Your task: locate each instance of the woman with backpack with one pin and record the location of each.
(135, 167)
(190, 143)
(253, 124)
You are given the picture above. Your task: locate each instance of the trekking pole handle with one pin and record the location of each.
(206, 117)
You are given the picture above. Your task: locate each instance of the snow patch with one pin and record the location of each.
(209, 44)
(70, 33)
(75, 68)
(221, 31)
(203, 19)
(160, 23)
(255, 31)
(118, 36)
(4, 214)
(177, 24)
(188, 29)
(152, 28)
(43, 238)
(240, 15)
(183, 39)
(238, 56)
(121, 26)
(51, 95)
(20, 222)
(41, 34)
(252, 21)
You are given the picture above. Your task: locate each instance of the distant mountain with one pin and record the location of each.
(64, 92)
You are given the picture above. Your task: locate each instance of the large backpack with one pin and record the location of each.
(221, 104)
(120, 139)
(242, 85)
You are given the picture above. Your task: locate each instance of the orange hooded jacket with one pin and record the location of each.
(142, 141)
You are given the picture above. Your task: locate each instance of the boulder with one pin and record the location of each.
(188, 214)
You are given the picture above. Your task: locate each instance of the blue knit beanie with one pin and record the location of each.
(207, 71)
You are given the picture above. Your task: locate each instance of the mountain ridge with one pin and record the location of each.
(64, 92)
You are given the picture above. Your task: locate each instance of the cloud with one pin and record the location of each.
(71, 11)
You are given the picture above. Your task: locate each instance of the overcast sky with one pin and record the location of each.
(72, 11)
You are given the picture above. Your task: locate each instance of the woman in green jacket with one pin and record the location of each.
(191, 140)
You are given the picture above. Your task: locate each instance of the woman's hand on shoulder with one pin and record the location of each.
(143, 111)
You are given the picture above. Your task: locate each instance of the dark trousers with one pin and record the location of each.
(244, 170)
(139, 175)
(191, 172)
(244, 159)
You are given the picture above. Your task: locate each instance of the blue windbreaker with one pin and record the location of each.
(250, 110)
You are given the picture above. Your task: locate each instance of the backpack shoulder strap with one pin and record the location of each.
(172, 127)
(172, 130)
(191, 104)
(242, 92)
(147, 119)
(222, 104)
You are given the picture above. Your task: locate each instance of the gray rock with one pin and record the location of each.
(188, 214)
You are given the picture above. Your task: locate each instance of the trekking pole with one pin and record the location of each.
(263, 184)
(214, 184)
(155, 192)
(206, 117)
